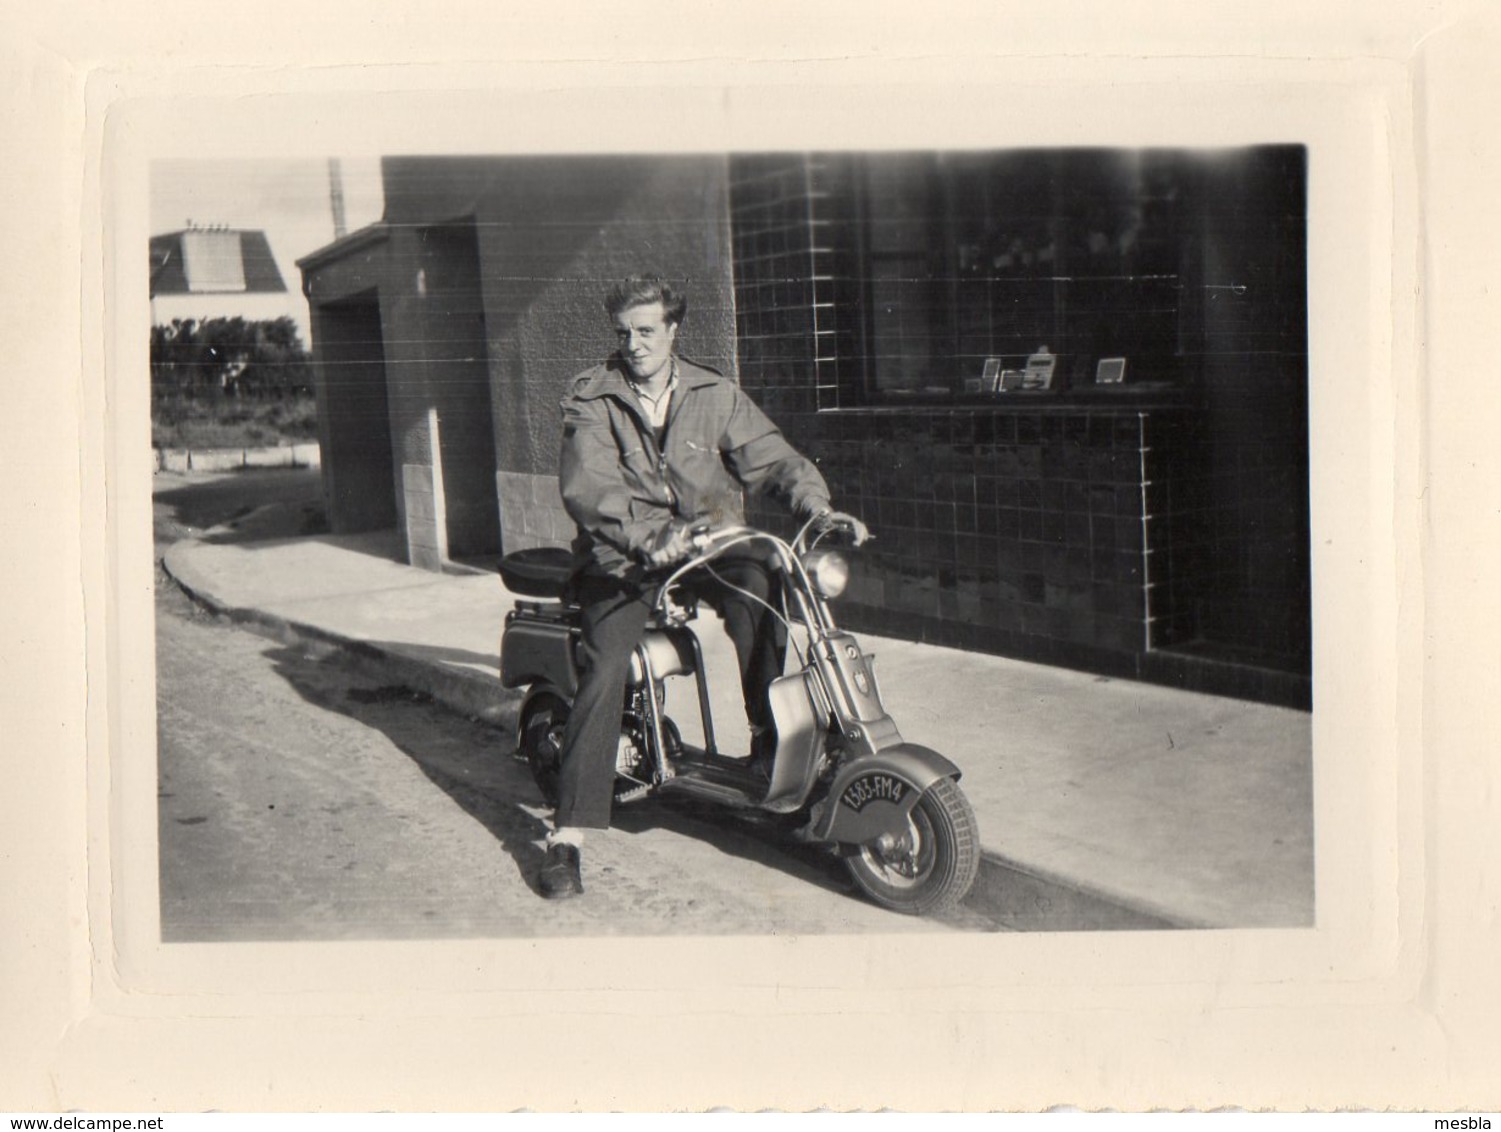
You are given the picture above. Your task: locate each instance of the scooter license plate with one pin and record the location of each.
(877, 786)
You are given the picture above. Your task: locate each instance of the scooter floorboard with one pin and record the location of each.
(715, 777)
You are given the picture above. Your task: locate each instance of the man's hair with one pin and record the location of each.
(643, 290)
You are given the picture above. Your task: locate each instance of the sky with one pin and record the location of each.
(287, 199)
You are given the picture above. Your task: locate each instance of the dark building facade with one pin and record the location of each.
(1154, 527)
(446, 333)
(1066, 388)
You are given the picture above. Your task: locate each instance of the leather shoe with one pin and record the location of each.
(560, 872)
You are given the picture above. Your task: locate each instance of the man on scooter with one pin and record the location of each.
(653, 444)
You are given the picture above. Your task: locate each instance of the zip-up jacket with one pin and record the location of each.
(624, 492)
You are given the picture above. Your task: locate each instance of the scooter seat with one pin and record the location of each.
(542, 571)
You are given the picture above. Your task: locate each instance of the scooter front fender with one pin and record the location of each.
(874, 794)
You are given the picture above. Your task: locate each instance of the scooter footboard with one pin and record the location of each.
(874, 795)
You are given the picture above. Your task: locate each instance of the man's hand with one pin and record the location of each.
(672, 545)
(837, 520)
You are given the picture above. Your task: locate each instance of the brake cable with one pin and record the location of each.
(780, 615)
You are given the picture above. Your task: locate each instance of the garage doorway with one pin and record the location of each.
(354, 416)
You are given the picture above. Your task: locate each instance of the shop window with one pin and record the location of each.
(1035, 273)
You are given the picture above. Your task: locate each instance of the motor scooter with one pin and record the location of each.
(840, 772)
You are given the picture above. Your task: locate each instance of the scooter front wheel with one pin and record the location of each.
(928, 867)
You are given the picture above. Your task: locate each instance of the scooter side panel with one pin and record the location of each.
(873, 795)
(802, 730)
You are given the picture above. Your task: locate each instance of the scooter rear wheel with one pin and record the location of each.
(542, 727)
(930, 866)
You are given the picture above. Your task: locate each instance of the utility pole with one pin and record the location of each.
(336, 197)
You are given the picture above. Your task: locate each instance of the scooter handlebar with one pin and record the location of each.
(708, 542)
(706, 537)
(827, 521)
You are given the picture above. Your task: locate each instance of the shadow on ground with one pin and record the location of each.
(475, 765)
(469, 761)
(442, 654)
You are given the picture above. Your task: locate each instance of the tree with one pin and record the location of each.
(229, 357)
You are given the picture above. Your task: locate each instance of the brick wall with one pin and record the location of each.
(1091, 535)
(1015, 531)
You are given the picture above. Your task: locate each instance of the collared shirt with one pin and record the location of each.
(656, 407)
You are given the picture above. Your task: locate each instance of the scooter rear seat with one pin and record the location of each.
(541, 571)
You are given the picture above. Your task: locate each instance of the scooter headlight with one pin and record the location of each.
(829, 572)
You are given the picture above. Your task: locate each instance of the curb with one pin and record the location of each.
(230, 459)
(469, 693)
(1017, 896)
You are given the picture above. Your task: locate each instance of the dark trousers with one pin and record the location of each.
(614, 618)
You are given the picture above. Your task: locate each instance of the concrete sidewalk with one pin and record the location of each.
(1102, 803)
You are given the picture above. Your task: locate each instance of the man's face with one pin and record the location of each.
(645, 338)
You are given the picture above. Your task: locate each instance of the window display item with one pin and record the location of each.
(1039, 371)
(1110, 371)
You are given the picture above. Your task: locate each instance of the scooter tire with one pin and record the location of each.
(542, 726)
(935, 867)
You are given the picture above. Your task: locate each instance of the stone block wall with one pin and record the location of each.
(531, 511)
